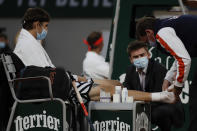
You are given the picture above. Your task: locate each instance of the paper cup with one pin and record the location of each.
(129, 99)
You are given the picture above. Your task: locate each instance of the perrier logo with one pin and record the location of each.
(36, 121)
(111, 125)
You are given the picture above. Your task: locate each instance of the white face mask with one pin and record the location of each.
(141, 62)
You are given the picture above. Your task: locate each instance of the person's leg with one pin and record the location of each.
(109, 86)
(192, 104)
(167, 97)
(160, 117)
(167, 115)
(94, 93)
(178, 115)
(107, 82)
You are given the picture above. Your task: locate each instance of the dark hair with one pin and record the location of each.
(2, 35)
(92, 38)
(33, 15)
(143, 24)
(135, 45)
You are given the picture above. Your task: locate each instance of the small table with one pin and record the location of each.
(120, 116)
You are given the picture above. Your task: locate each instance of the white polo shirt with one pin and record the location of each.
(94, 66)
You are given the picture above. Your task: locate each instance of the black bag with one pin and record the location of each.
(37, 89)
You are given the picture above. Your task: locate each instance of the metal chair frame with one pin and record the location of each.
(10, 71)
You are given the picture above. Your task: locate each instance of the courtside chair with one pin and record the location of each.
(33, 114)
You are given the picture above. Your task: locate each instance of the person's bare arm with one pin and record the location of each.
(165, 85)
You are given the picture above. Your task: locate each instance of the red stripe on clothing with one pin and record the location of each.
(180, 61)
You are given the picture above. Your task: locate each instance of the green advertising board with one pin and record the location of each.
(112, 120)
(40, 116)
(130, 10)
(120, 116)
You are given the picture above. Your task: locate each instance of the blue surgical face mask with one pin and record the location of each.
(42, 35)
(2, 45)
(151, 43)
(141, 62)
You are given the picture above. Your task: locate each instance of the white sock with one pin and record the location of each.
(165, 96)
(156, 96)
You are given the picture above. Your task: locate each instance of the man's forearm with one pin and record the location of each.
(165, 85)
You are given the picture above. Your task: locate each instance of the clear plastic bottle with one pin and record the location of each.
(105, 96)
(124, 95)
(102, 95)
(118, 90)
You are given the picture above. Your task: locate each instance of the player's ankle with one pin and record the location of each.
(156, 97)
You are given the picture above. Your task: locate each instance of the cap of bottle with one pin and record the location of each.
(117, 89)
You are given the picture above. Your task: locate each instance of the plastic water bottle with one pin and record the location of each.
(118, 91)
(105, 96)
(124, 95)
(102, 95)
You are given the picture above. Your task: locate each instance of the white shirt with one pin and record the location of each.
(94, 66)
(30, 51)
(142, 76)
